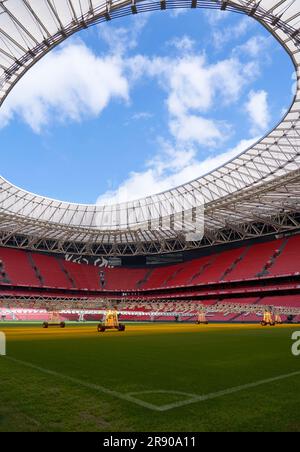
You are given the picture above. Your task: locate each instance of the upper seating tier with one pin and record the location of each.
(251, 262)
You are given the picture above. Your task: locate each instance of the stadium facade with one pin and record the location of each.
(251, 199)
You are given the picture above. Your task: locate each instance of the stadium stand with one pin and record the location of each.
(84, 277)
(253, 274)
(50, 271)
(18, 269)
(253, 263)
(287, 262)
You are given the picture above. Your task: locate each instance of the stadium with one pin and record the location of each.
(205, 276)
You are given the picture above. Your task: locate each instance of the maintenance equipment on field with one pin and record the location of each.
(54, 321)
(268, 319)
(111, 322)
(202, 318)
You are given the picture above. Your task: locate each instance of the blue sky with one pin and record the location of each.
(141, 104)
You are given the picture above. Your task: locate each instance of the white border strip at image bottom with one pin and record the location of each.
(129, 397)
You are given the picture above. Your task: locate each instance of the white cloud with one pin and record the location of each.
(141, 115)
(189, 84)
(254, 46)
(168, 169)
(176, 12)
(68, 84)
(182, 44)
(215, 17)
(294, 84)
(192, 82)
(223, 35)
(121, 39)
(193, 88)
(196, 129)
(258, 110)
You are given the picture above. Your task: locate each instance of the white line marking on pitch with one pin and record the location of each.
(192, 398)
(215, 395)
(76, 381)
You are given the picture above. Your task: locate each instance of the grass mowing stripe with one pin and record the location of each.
(194, 398)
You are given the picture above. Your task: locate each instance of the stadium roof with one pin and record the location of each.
(256, 193)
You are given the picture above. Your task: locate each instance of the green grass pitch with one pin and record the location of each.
(149, 378)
